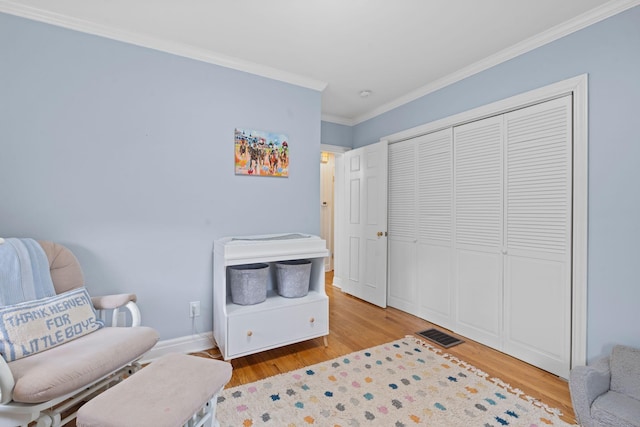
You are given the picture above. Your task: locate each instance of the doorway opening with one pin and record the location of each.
(334, 170)
(327, 204)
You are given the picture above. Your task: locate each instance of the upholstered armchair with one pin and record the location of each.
(607, 393)
(75, 358)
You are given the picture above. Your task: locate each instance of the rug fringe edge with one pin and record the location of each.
(497, 381)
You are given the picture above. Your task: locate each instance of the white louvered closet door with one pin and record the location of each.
(478, 230)
(538, 194)
(403, 292)
(435, 226)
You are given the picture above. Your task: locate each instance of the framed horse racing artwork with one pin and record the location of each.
(260, 153)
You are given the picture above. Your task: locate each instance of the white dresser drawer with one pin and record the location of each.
(263, 329)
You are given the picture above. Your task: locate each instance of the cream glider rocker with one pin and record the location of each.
(42, 386)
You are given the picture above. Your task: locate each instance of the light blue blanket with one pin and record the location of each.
(24, 272)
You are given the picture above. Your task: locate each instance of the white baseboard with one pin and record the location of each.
(184, 345)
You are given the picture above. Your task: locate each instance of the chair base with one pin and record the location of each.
(50, 413)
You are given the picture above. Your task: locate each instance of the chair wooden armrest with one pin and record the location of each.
(115, 303)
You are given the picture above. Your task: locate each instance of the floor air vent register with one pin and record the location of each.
(440, 338)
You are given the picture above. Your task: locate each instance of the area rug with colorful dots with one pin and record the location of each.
(404, 383)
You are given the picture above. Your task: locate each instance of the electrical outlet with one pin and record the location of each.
(194, 309)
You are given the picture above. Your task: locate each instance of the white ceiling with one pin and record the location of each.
(398, 49)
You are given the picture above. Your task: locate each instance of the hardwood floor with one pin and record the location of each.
(356, 325)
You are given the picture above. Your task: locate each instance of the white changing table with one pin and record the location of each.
(240, 330)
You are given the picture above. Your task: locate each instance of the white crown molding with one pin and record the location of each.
(595, 15)
(586, 19)
(337, 120)
(48, 17)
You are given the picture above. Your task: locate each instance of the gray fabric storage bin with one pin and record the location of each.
(248, 283)
(293, 277)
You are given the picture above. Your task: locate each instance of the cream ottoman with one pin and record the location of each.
(176, 390)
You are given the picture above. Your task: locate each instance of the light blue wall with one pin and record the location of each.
(125, 155)
(336, 134)
(609, 52)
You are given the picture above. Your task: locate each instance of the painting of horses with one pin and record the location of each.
(260, 153)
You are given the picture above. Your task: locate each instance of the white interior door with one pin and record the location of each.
(435, 226)
(478, 230)
(538, 223)
(366, 223)
(420, 226)
(403, 265)
(513, 222)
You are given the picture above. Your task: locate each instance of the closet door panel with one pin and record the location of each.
(533, 302)
(538, 216)
(479, 296)
(403, 292)
(435, 226)
(403, 287)
(478, 184)
(402, 192)
(478, 230)
(435, 188)
(434, 284)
